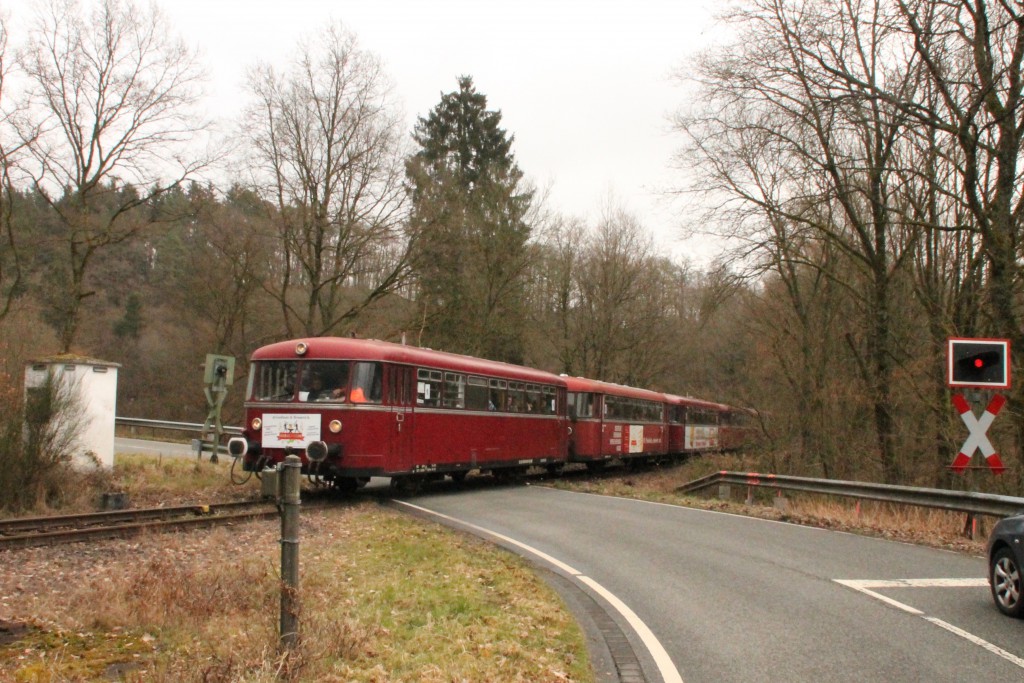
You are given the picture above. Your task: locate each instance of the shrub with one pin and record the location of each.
(39, 439)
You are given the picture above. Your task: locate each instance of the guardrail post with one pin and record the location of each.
(290, 502)
(970, 526)
(724, 491)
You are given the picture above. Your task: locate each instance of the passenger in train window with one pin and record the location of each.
(318, 392)
(316, 389)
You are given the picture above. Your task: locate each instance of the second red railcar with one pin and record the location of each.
(614, 421)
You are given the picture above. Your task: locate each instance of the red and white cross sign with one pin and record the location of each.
(978, 438)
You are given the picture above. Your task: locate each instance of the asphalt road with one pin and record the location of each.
(739, 599)
(145, 446)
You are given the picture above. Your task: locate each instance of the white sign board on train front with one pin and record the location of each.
(295, 430)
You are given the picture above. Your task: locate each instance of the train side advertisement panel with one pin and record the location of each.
(701, 437)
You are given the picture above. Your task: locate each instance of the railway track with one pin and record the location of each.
(26, 532)
(54, 530)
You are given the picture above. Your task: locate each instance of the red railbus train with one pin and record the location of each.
(356, 408)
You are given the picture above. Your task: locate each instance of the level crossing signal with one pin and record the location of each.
(979, 363)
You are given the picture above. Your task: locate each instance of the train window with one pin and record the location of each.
(367, 383)
(516, 402)
(399, 392)
(534, 399)
(428, 387)
(274, 380)
(496, 394)
(454, 390)
(581, 405)
(549, 407)
(613, 408)
(324, 381)
(476, 394)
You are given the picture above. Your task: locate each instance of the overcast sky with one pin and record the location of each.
(584, 86)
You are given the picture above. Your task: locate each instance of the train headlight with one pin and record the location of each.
(335, 426)
(301, 348)
(256, 423)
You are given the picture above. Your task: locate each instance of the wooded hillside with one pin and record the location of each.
(860, 160)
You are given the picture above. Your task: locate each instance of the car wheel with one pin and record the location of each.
(1004, 577)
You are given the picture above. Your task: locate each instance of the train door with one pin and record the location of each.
(401, 394)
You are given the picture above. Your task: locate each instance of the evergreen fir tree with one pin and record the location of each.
(469, 212)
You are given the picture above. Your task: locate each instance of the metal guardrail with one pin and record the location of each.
(958, 501)
(169, 426)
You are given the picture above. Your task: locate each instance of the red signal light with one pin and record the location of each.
(978, 362)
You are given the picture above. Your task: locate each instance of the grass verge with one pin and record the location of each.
(383, 598)
(911, 524)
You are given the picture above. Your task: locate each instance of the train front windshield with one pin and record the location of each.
(315, 381)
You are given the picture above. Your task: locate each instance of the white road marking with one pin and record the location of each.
(867, 586)
(668, 671)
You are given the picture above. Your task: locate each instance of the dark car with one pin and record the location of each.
(1005, 559)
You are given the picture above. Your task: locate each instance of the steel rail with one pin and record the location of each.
(22, 524)
(39, 531)
(958, 501)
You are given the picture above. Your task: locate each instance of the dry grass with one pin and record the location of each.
(383, 598)
(910, 524)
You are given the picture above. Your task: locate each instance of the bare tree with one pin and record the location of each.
(791, 133)
(604, 298)
(973, 51)
(112, 93)
(327, 143)
(11, 147)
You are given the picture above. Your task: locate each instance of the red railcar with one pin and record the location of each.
(737, 428)
(614, 421)
(353, 408)
(694, 424)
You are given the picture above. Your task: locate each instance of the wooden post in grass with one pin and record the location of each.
(290, 501)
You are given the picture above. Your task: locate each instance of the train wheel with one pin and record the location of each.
(459, 476)
(408, 485)
(345, 484)
(509, 475)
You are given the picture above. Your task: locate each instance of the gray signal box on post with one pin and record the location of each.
(218, 375)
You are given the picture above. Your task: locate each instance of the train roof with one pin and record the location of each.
(347, 348)
(598, 387)
(699, 403)
(691, 401)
